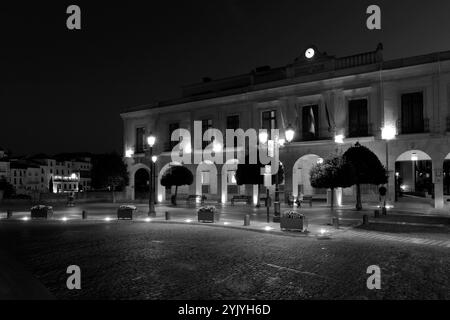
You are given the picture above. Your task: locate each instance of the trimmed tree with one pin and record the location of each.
(250, 174)
(109, 171)
(367, 169)
(177, 176)
(333, 173)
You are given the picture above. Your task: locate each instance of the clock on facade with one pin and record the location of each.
(309, 53)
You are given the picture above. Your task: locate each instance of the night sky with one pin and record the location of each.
(63, 91)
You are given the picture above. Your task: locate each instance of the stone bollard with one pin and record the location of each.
(365, 219)
(9, 214)
(384, 211)
(84, 215)
(247, 220)
(335, 222)
(167, 215)
(376, 213)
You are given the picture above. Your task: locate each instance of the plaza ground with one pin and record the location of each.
(179, 260)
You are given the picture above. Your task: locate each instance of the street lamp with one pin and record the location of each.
(388, 133)
(289, 133)
(151, 140)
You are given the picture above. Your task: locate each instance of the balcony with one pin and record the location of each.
(422, 127)
(363, 130)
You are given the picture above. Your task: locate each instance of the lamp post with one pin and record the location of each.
(263, 138)
(151, 140)
(388, 133)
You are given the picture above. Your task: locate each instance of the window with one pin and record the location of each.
(269, 120)
(358, 120)
(233, 122)
(140, 139)
(172, 128)
(206, 124)
(412, 113)
(310, 122)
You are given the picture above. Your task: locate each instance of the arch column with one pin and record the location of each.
(438, 182)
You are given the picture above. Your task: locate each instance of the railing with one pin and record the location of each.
(363, 130)
(424, 127)
(357, 60)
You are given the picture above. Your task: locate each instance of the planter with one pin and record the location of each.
(125, 212)
(41, 212)
(293, 221)
(207, 214)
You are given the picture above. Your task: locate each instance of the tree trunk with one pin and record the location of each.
(332, 199)
(358, 197)
(257, 205)
(175, 197)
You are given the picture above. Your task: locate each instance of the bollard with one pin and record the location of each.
(84, 215)
(376, 213)
(365, 219)
(335, 222)
(167, 215)
(247, 220)
(383, 211)
(9, 214)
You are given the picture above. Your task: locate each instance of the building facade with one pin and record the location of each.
(44, 174)
(400, 109)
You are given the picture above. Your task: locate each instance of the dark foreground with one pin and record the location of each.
(138, 260)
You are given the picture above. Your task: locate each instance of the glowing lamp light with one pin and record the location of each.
(73, 176)
(151, 140)
(217, 147)
(129, 153)
(25, 218)
(397, 174)
(323, 232)
(160, 197)
(403, 187)
(226, 223)
(154, 159)
(388, 132)
(414, 157)
(188, 220)
(289, 133)
(107, 219)
(268, 228)
(263, 136)
(281, 142)
(339, 138)
(188, 149)
(64, 219)
(147, 220)
(320, 161)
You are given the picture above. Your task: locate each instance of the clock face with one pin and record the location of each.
(309, 53)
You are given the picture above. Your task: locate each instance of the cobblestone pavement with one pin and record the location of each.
(138, 260)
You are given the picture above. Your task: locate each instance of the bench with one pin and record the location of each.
(195, 198)
(240, 198)
(306, 199)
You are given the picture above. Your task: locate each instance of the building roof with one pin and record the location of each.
(322, 66)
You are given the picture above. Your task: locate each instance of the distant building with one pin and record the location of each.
(45, 174)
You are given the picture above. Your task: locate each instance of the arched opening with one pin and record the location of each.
(163, 192)
(141, 184)
(229, 185)
(414, 177)
(206, 179)
(301, 178)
